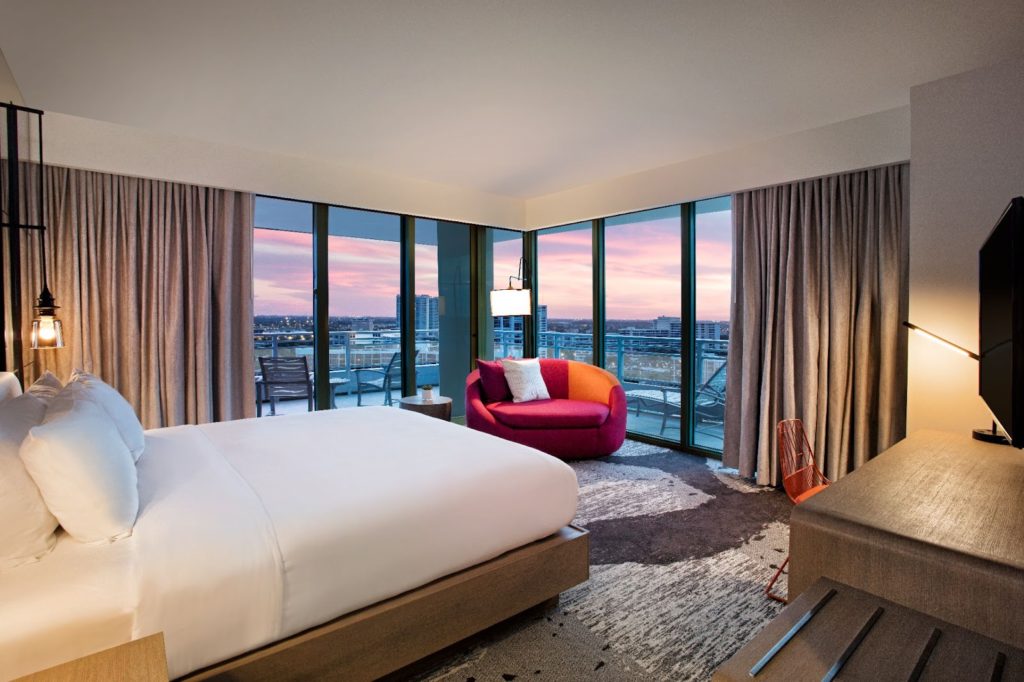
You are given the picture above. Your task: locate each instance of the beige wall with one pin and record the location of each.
(967, 150)
(95, 145)
(108, 147)
(9, 91)
(872, 140)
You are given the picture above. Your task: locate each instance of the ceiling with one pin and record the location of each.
(519, 98)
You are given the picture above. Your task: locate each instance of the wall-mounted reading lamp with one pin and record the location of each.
(988, 435)
(941, 341)
(47, 330)
(510, 301)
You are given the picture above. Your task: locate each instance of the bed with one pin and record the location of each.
(255, 536)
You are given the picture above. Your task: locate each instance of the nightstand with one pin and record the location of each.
(440, 407)
(140, 660)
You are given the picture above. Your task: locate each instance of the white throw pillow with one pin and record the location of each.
(46, 387)
(525, 380)
(85, 472)
(85, 386)
(26, 525)
(10, 387)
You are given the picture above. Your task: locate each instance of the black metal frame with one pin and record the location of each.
(407, 289)
(321, 310)
(10, 263)
(530, 279)
(597, 277)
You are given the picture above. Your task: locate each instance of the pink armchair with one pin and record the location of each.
(585, 417)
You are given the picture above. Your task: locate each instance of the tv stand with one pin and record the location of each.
(935, 523)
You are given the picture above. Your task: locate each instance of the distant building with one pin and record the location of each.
(708, 330)
(427, 312)
(514, 324)
(670, 326)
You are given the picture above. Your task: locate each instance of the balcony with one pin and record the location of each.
(649, 368)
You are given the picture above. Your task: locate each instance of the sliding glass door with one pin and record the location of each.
(351, 332)
(504, 251)
(643, 316)
(661, 306)
(282, 265)
(564, 319)
(712, 291)
(364, 276)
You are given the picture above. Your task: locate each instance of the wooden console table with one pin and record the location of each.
(832, 630)
(935, 523)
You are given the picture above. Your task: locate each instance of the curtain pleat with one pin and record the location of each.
(154, 280)
(820, 291)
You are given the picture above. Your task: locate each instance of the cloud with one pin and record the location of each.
(642, 264)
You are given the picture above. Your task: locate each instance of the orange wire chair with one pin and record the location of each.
(801, 476)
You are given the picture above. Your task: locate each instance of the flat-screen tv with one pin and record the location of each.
(1001, 322)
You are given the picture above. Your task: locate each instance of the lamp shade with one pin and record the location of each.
(506, 302)
(47, 332)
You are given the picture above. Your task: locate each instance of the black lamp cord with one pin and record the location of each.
(519, 276)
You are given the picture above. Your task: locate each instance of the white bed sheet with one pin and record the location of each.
(253, 530)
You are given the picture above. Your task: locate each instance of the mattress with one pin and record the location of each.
(253, 530)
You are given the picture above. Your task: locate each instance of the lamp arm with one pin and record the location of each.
(519, 276)
(946, 342)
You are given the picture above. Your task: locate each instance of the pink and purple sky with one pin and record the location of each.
(642, 262)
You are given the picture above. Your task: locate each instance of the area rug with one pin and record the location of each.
(680, 552)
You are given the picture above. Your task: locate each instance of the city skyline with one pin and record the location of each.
(364, 273)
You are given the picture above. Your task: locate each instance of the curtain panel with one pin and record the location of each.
(820, 281)
(154, 280)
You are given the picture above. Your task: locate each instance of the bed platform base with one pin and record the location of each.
(392, 634)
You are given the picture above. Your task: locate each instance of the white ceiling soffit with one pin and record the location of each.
(518, 98)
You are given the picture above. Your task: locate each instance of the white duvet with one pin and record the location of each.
(253, 530)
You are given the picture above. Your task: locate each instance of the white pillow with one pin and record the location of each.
(85, 386)
(46, 387)
(85, 472)
(10, 387)
(26, 525)
(525, 380)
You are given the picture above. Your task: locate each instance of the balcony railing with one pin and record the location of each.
(649, 367)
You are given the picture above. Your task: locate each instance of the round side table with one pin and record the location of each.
(440, 407)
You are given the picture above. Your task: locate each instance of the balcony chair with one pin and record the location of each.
(585, 416)
(655, 399)
(285, 378)
(381, 379)
(801, 476)
(709, 402)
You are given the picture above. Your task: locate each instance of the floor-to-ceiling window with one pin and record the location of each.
(505, 252)
(643, 316)
(712, 292)
(443, 336)
(283, 278)
(564, 275)
(364, 274)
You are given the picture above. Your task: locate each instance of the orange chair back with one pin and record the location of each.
(800, 473)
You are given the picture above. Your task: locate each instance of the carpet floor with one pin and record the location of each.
(680, 551)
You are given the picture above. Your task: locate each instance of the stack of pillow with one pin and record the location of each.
(67, 458)
(520, 380)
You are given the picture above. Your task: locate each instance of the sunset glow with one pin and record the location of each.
(643, 271)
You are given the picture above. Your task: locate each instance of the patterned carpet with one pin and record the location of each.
(680, 553)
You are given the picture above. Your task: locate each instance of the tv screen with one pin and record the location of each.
(1001, 322)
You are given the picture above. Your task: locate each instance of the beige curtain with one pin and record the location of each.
(819, 294)
(154, 280)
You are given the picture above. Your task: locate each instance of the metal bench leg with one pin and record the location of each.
(771, 583)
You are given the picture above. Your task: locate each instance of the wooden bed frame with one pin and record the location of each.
(390, 635)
